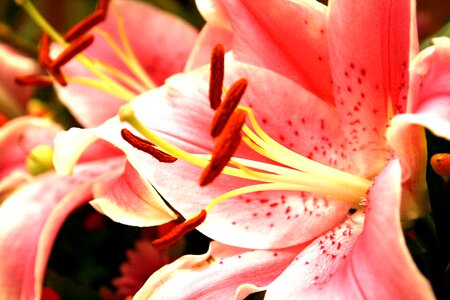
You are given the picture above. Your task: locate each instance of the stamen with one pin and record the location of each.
(226, 146)
(146, 146)
(179, 231)
(74, 49)
(228, 106)
(85, 25)
(40, 80)
(44, 49)
(441, 165)
(103, 5)
(216, 76)
(58, 76)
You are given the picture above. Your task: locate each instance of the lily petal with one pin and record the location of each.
(127, 198)
(370, 84)
(209, 36)
(429, 107)
(218, 274)
(29, 221)
(260, 31)
(377, 264)
(160, 54)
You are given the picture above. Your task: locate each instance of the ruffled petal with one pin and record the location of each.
(372, 43)
(13, 97)
(29, 222)
(290, 40)
(218, 274)
(160, 41)
(371, 261)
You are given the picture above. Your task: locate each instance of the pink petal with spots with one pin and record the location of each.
(360, 259)
(18, 137)
(29, 222)
(127, 198)
(181, 114)
(371, 43)
(13, 97)
(207, 39)
(160, 41)
(285, 36)
(429, 107)
(218, 274)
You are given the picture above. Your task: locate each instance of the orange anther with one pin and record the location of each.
(228, 106)
(70, 52)
(216, 76)
(44, 49)
(146, 146)
(441, 164)
(224, 149)
(40, 80)
(85, 25)
(179, 231)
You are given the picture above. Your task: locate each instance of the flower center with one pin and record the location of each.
(292, 171)
(124, 85)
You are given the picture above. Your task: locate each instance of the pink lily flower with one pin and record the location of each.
(329, 182)
(103, 173)
(13, 98)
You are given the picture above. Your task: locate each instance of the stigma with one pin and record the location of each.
(74, 43)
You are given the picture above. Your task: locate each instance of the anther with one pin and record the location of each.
(85, 25)
(44, 49)
(441, 165)
(228, 106)
(179, 231)
(225, 147)
(103, 5)
(58, 76)
(40, 80)
(146, 146)
(216, 76)
(70, 52)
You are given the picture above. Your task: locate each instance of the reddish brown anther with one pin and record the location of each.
(40, 80)
(225, 147)
(85, 25)
(146, 146)
(44, 49)
(179, 231)
(72, 50)
(103, 5)
(228, 106)
(216, 76)
(58, 76)
(441, 164)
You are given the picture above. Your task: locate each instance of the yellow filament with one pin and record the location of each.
(132, 62)
(92, 66)
(288, 157)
